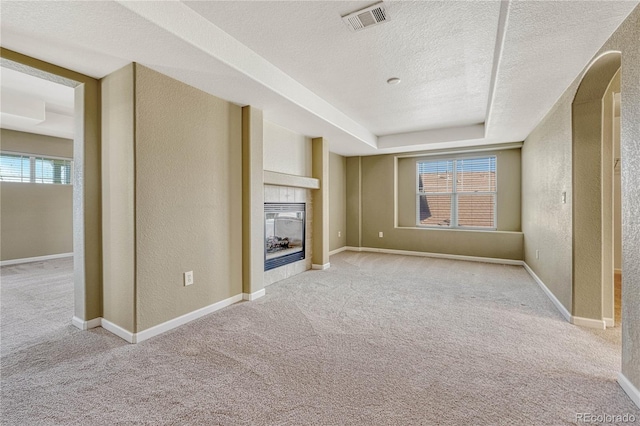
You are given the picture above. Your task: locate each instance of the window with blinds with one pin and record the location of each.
(458, 193)
(35, 169)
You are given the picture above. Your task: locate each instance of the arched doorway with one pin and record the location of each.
(592, 166)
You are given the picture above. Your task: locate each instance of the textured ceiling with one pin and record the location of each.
(472, 72)
(443, 52)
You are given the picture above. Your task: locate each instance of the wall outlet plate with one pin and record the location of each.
(188, 278)
(380, 234)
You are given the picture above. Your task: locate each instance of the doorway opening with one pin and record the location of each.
(42, 180)
(617, 211)
(594, 214)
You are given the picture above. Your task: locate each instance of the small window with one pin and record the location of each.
(35, 169)
(457, 193)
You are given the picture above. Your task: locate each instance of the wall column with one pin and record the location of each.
(354, 202)
(252, 204)
(320, 225)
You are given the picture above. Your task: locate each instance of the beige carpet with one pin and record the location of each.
(375, 340)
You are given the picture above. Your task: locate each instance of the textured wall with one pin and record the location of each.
(188, 198)
(547, 223)
(30, 143)
(36, 219)
(118, 197)
(286, 151)
(337, 201)
(378, 215)
(626, 40)
(617, 201)
(320, 202)
(354, 201)
(252, 200)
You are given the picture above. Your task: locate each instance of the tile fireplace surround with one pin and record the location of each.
(286, 194)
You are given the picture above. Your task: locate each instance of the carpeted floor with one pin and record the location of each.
(375, 340)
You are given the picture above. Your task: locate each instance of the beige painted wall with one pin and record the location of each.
(30, 143)
(253, 240)
(188, 198)
(35, 219)
(617, 201)
(378, 212)
(118, 197)
(286, 151)
(608, 292)
(172, 198)
(320, 204)
(353, 186)
(337, 201)
(547, 223)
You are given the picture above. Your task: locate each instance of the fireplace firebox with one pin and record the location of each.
(284, 226)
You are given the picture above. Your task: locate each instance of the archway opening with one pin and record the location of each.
(593, 163)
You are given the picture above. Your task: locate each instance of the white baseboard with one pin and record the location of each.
(168, 325)
(588, 322)
(628, 387)
(119, 331)
(321, 267)
(338, 250)
(609, 322)
(253, 296)
(34, 259)
(582, 322)
(438, 255)
(559, 306)
(181, 320)
(86, 325)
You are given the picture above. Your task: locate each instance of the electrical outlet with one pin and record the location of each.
(380, 234)
(188, 278)
(339, 234)
(537, 254)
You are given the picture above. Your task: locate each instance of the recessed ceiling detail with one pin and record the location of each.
(367, 17)
(33, 105)
(473, 73)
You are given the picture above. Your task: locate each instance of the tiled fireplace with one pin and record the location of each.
(284, 226)
(287, 232)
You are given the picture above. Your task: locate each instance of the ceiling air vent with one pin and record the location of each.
(367, 17)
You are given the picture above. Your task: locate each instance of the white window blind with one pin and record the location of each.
(16, 167)
(457, 193)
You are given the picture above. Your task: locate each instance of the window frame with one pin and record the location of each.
(32, 167)
(454, 194)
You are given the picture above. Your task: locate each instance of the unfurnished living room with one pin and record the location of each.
(320, 212)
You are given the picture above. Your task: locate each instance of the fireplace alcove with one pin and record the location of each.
(284, 227)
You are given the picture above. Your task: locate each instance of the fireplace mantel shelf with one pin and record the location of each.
(283, 179)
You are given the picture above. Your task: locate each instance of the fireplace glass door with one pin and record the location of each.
(284, 234)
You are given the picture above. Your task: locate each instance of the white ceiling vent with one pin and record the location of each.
(367, 17)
